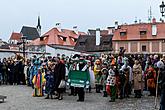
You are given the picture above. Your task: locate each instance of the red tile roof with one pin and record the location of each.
(133, 31)
(15, 36)
(54, 36)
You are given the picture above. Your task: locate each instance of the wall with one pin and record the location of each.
(157, 46)
(134, 46)
(11, 53)
(56, 51)
(6, 54)
(163, 47)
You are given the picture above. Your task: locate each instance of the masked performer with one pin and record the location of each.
(97, 72)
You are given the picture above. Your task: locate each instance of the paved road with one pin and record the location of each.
(20, 98)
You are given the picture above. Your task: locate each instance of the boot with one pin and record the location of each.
(89, 89)
(105, 94)
(139, 94)
(72, 90)
(81, 95)
(135, 91)
(97, 89)
(51, 96)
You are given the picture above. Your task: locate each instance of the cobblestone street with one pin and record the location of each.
(20, 98)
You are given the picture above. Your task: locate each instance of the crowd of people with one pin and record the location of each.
(115, 76)
(12, 71)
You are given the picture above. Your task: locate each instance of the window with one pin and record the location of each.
(123, 33)
(144, 48)
(143, 33)
(75, 40)
(41, 38)
(64, 38)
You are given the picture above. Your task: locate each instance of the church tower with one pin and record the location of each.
(39, 26)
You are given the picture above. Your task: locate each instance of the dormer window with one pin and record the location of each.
(123, 32)
(74, 39)
(62, 38)
(143, 33)
(41, 38)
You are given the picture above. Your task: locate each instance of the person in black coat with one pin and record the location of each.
(21, 77)
(4, 71)
(59, 74)
(10, 72)
(15, 72)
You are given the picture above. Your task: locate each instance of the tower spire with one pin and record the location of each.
(39, 26)
(135, 20)
(150, 14)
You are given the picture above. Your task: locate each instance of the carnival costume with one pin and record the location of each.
(151, 80)
(38, 81)
(103, 80)
(79, 78)
(111, 85)
(137, 78)
(49, 87)
(34, 69)
(97, 72)
(125, 79)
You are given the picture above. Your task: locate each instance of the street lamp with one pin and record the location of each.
(162, 8)
(23, 44)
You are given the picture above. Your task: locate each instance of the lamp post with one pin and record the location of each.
(23, 44)
(162, 8)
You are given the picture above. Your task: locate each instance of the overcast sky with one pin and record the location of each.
(82, 13)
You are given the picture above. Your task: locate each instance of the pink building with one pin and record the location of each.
(140, 37)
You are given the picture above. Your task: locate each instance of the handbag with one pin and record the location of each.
(62, 84)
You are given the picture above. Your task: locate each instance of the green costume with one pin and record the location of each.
(79, 78)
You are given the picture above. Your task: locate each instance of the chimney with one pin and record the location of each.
(110, 30)
(116, 24)
(154, 27)
(98, 36)
(58, 26)
(154, 20)
(75, 29)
